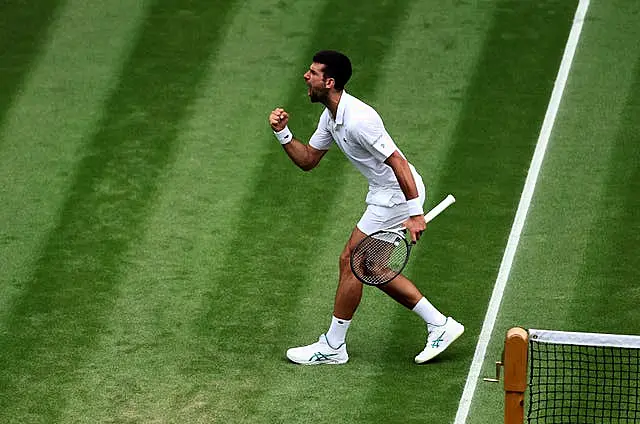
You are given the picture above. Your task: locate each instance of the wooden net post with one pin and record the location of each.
(516, 349)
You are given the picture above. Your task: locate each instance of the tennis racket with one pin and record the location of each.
(380, 257)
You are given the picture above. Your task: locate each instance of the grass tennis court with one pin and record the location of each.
(160, 252)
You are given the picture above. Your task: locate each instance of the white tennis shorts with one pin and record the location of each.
(390, 213)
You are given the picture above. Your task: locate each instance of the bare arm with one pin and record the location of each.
(403, 173)
(416, 223)
(303, 155)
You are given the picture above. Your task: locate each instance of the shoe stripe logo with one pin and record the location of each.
(320, 357)
(436, 342)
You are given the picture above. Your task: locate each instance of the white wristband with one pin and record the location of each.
(415, 207)
(284, 136)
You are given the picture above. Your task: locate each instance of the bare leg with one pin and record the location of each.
(349, 292)
(403, 291)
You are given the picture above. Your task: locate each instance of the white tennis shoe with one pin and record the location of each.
(318, 353)
(439, 338)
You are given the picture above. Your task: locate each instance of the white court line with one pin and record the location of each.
(521, 214)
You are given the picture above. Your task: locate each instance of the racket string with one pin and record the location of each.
(380, 257)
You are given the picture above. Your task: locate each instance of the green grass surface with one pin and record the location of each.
(22, 33)
(573, 270)
(160, 252)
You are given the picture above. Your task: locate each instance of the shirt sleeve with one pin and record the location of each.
(372, 135)
(321, 138)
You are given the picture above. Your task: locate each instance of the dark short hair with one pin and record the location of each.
(336, 66)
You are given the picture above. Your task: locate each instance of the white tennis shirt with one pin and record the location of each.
(360, 134)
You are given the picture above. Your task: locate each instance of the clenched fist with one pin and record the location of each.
(278, 119)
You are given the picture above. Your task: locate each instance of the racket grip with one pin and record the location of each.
(448, 201)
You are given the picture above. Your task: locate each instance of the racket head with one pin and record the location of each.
(380, 257)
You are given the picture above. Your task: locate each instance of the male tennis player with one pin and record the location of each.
(396, 195)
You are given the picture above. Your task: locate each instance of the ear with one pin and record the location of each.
(329, 83)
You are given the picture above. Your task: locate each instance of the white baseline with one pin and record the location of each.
(521, 214)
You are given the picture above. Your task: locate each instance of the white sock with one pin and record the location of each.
(337, 331)
(429, 313)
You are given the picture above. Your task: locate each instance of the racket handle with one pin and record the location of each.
(448, 201)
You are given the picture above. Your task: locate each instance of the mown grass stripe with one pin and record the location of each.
(574, 179)
(522, 211)
(486, 165)
(60, 103)
(606, 288)
(602, 296)
(150, 341)
(54, 323)
(23, 30)
(549, 286)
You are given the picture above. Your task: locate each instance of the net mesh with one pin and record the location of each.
(583, 384)
(380, 257)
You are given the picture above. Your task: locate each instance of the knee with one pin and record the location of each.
(345, 259)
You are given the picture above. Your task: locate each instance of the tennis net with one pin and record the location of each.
(583, 378)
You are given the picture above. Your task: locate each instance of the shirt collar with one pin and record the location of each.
(341, 106)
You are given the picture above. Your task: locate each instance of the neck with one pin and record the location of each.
(332, 102)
